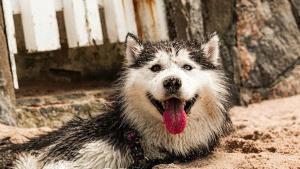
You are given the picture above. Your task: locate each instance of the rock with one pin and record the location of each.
(7, 95)
(261, 41)
(296, 10)
(220, 21)
(268, 45)
(286, 85)
(224, 23)
(185, 19)
(56, 110)
(5, 109)
(28, 102)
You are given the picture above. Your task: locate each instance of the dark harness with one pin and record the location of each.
(141, 162)
(137, 153)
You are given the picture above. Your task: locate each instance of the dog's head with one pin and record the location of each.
(172, 81)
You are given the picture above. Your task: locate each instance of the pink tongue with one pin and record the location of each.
(174, 116)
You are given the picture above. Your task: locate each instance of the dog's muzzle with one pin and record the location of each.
(161, 105)
(174, 111)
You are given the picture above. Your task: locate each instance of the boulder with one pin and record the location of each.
(268, 43)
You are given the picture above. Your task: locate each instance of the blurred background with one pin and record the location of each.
(59, 57)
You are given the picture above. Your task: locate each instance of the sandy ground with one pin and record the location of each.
(267, 136)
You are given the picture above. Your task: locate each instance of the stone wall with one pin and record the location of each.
(269, 49)
(261, 41)
(55, 110)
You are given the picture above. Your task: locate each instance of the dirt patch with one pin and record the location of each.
(240, 145)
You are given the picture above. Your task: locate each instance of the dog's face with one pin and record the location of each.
(171, 80)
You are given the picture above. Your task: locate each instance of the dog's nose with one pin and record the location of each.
(172, 84)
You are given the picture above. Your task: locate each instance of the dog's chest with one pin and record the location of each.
(160, 147)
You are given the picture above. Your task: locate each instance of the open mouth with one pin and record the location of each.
(161, 106)
(174, 111)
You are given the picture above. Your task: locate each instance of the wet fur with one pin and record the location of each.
(98, 142)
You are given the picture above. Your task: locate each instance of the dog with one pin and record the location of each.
(170, 104)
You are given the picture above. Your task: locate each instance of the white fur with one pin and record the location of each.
(100, 154)
(133, 49)
(27, 161)
(206, 115)
(59, 165)
(211, 49)
(33, 162)
(94, 155)
(205, 118)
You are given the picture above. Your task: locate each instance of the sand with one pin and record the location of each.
(267, 136)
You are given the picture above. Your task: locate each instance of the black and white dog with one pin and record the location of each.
(170, 105)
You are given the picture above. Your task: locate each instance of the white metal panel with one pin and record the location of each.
(58, 5)
(15, 6)
(119, 14)
(119, 19)
(129, 16)
(40, 25)
(82, 22)
(93, 22)
(10, 35)
(74, 14)
(17, 9)
(10, 26)
(110, 20)
(100, 3)
(161, 17)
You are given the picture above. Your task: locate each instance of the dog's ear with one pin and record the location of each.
(133, 48)
(211, 49)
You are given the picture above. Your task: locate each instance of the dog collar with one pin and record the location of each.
(136, 150)
(139, 160)
(133, 141)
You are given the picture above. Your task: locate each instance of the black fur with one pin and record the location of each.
(146, 55)
(70, 138)
(194, 47)
(109, 126)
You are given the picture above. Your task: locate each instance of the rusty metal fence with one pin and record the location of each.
(82, 21)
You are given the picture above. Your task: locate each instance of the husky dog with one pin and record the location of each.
(170, 105)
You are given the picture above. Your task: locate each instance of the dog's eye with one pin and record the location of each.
(187, 67)
(155, 68)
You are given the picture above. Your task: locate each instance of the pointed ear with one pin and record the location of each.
(211, 49)
(133, 48)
